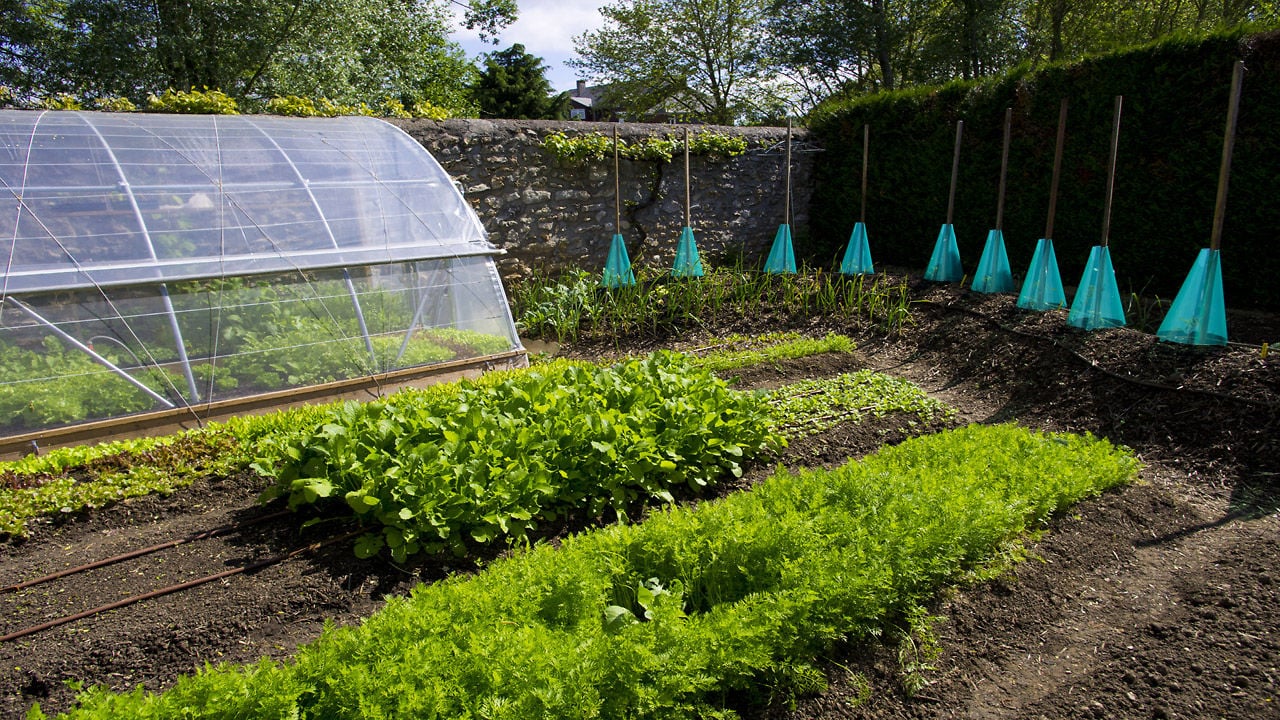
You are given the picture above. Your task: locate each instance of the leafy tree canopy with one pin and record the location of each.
(696, 59)
(514, 85)
(346, 50)
(724, 60)
(719, 61)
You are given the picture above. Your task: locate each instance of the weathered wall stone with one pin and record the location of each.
(551, 216)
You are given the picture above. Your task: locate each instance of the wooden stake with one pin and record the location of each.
(955, 171)
(1057, 169)
(1004, 166)
(786, 218)
(1228, 146)
(617, 187)
(866, 144)
(688, 212)
(1111, 171)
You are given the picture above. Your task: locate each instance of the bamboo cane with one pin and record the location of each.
(1057, 169)
(1004, 167)
(955, 171)
(866, 143)
(786, 217)
(688, 212)
(1228, 146)
(617, 187)
(1111, 172)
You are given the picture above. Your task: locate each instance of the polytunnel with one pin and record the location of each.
(183, 266)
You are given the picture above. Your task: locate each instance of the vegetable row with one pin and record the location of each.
(699, 611)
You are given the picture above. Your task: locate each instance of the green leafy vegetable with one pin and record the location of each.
(487, 461)
(670, 618)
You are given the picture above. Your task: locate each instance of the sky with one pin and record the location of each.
(546, 28)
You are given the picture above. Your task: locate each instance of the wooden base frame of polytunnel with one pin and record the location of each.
(162, 422)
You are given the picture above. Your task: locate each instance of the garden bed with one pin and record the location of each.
(1159, 600)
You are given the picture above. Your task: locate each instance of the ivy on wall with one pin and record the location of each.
(594, 146)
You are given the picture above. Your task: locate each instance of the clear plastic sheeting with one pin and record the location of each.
(99, 199)
(160, 261)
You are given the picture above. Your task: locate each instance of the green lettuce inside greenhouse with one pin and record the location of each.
(173, 262)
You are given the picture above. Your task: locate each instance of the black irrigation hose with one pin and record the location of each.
(1111, 373)
(176, 588)
(216, 532)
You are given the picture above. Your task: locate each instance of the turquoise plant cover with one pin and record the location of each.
(944, 265)
(1042, 288)
(857, 257)
(687, 264)
(1198, 315)
(1097, 301)
(617, 269)
(993, 275)
(782, 258)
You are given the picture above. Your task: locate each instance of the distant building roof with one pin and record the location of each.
(587, 95)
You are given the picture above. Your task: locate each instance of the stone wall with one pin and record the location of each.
(551, 216)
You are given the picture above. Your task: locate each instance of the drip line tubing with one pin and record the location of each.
(176, 588)
(216, 532)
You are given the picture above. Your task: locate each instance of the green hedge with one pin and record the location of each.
(1170, 148)
(687, 615)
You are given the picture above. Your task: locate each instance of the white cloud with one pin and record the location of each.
(546, 28)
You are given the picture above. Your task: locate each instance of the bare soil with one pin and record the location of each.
(1155, 601)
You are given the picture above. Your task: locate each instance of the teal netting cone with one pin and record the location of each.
(944, 265)
(1042, 289)
(993, 275)
(617, 269)
(782, 259)
(857, 257)
(688, 264)
(1097, 301)
(1198, 315)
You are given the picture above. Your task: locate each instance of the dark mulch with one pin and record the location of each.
(1159, 600)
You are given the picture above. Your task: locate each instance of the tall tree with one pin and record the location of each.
(970, 39)
(514, 85)
(824, 46)
(47, 47)
(701, 59)
(712, 59)
(883, 41)
(369, 49)
(348, 50)
(1068, 29)
(853, 45)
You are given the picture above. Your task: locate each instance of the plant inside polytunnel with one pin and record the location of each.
(241, 337)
